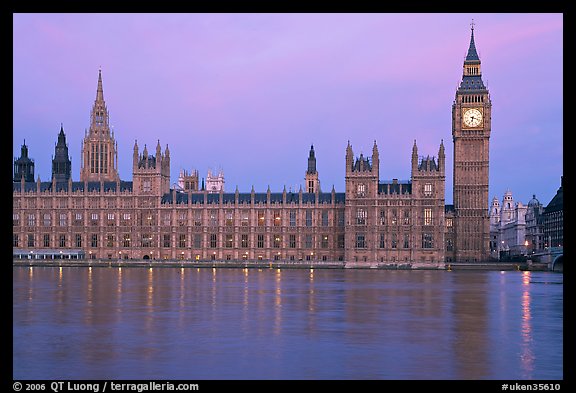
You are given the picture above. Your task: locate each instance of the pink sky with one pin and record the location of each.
(249, 93)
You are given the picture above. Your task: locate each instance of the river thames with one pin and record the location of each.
(191, 324)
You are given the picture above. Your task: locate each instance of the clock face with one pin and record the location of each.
(472, 118)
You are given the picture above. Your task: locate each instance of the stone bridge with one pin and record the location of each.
(553, 256)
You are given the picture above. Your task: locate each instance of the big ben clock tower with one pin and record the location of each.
(471, 120)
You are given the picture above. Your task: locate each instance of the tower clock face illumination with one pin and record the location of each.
(472, 117)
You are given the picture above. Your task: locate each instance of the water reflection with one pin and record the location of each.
(88, 312)
(311, 297)
(527, 355)
(278, 303)
(119, 293)
(470, 315)
(30, 283)
(182, 299)
(281, 324)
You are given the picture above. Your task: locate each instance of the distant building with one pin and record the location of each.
(215, 183)
(187, 181)
(553, 220)
(24, 166)
(507, 227)
(311, 179)
(534, 234)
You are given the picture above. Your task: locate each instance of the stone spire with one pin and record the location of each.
(99, 90)
(472, 54)
(349, 157)
(99, 160)
(311, 161)
(414, 158)
(472, 73)
(311, 177)
(61, 164)
(24, 166)
(441, 156)
(158, 150)
(375, 159)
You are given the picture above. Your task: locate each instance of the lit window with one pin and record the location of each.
(361, 215)
(428, 216)
(229, 218)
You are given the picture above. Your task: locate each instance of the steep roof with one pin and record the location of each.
(557, 203)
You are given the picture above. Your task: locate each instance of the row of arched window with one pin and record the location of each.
(473, 71)
(473, 98)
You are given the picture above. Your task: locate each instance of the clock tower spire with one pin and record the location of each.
(471, 126)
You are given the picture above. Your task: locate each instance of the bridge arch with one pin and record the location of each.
(558, 263)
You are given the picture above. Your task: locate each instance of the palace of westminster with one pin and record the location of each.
(373, 222)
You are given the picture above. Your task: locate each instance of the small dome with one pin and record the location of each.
(533, 202)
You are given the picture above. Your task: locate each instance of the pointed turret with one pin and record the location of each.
(311, 161)
(375, 159)
(414, 158)
(311, 177)
(24, 166)
(99, 90)
(349, 157)
(441, 156)
(135, 157)
(61, 164)
(158, 150)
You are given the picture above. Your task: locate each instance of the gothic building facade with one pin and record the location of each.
(373, 222)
